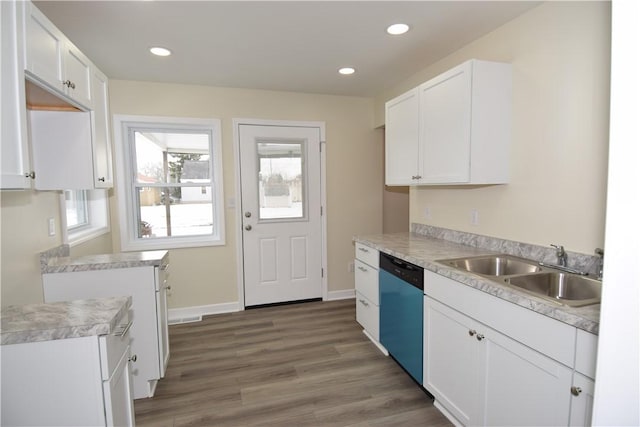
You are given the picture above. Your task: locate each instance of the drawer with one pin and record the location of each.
(368, 315)
(586, 352)
(112, 347)
(367, 281)
(367, 255)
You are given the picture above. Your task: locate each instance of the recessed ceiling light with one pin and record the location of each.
(347, 70)
(397, 29)
(160, 51)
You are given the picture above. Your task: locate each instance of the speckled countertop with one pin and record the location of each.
(65, 264)
(60, 320)
(425, 251)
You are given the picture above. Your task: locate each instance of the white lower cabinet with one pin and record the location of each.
(367, 292)
(68, 382)
(368, 315)
(149, 333)
(583, 379)
(483, 377)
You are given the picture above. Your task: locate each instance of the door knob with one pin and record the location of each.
(247, 227)
(247, 214)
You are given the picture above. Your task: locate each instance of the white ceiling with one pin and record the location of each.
(285, 45)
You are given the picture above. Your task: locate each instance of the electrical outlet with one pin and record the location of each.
(52, 226)
(475, 217)
(351, 267)
(427, 213)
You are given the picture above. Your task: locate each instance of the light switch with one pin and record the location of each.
(52, 227)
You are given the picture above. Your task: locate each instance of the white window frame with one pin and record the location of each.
(127, 212)
(97, 217)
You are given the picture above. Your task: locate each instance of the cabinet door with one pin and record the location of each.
(451, 360)
(368, 315)
(402, 135)
(581, 400)
(14, 158)
(118, 399)
(445, 112)
(162, 286)
(520, 386)
(77, 75)
(102, 155)
(44, 48)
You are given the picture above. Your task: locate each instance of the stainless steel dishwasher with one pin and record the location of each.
(401, 312)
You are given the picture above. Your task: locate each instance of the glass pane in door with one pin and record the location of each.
(281, 180)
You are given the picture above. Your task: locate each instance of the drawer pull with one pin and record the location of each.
(363, 302)
(361, 268)
(479, 337)
(133, 358)
(123, 329)
(576, 390)
(472, 332)
(363, 249)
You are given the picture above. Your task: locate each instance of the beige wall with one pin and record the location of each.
(25, 234)
(202, 276)
(560, 52)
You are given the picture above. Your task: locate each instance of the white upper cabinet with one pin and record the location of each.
(452, 129)
(402, 137)
(55, 108)
(15, 166)
(53, 60)
(102, 157)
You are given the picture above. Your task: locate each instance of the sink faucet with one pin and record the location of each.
(600, 253)
(561, 254)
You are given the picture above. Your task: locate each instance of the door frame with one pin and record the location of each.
(237, 122)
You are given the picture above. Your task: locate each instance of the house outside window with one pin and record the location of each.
(164, 165)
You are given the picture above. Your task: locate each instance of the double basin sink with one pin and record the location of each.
(559, 287)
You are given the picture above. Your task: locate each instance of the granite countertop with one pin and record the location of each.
(65, 264)
(425, 251)
(60, 320)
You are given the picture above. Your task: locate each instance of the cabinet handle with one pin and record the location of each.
(471, 332)
(123, 329)
(363, 302)
(479, 337)
(101, 179)
(133, 358)
(31, 175)
(69, 84)
(364, 249)
(362, 269)
(576, 390)
(416, 177)
(169, 287)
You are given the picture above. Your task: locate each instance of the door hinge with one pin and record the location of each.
(322, 272)
(321, 211)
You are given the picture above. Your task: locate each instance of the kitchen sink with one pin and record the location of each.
(494, 265)
(562, 288)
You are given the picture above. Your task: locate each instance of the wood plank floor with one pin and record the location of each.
(294, 365)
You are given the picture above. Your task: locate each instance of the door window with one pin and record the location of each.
(281, 180)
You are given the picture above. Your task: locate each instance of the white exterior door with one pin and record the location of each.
(281, 218)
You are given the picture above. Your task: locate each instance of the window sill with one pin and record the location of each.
(83, 236)
(171, 243)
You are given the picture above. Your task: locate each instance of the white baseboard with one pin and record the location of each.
(377, 344)
(345, 294)
(195, 313)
